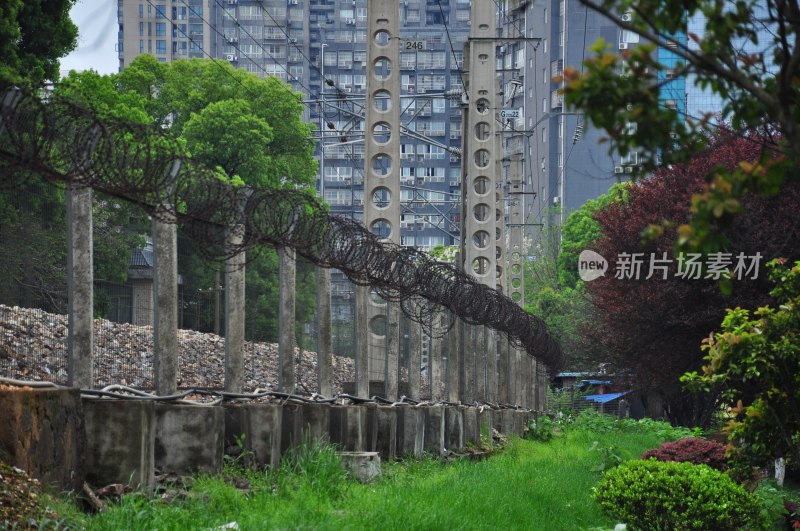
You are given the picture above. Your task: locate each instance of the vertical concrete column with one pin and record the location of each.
(324, 342)
(435, 363)
(503, 381)
(165, 293)
(469, 363)
(234, 312)
(392, 350)
(382, 163)
(480, 362)
(414, 360)
(491, 365)
(514, 273)
(481, 170)
(286, 319)
(454, 361)
(524, 383)
(497, 357)
(80, 286)
(362, 341)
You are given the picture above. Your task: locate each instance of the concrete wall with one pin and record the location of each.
(55, 436)
(42, 432)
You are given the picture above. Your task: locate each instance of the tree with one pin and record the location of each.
(34, 35)
(747, 55)
(249, 129)
(653, 327)
(755, 359)
(564, 306)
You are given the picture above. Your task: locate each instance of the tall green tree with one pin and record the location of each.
(248, 128)
(34, 35)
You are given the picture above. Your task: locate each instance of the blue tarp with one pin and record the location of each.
(602, 399)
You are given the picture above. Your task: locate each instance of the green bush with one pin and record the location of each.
(541, 429)
(657, 495)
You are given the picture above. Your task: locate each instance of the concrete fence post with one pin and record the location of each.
(80, 286)
(234, 312)
(165, 293)
(286, 319)
(324, 348)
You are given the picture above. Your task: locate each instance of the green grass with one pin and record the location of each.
(529, 485)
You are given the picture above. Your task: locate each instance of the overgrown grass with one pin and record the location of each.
(529, 485)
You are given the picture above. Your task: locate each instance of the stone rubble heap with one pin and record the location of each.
(33, 346)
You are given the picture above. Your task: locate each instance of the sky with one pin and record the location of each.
(97, 37)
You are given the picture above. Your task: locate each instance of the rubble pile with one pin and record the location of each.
(33, 346)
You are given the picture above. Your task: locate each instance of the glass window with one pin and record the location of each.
(161, 47)
(161, 29)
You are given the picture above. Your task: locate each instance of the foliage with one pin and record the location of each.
(34, 35)
(444, 253)
(774, 508)
(591, 421)
(565, 309)
(656, 495)
(653, 326)
(744, 54)
(609, 456)
(755, 360)
(541, 429)
(691, 450)
(249, 129)
(554, 480)
(581, 230)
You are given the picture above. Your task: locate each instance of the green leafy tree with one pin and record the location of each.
(34, 35)
(249, 129)
(755, 361)
(746, 54)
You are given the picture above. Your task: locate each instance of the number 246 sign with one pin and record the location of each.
(412, 45)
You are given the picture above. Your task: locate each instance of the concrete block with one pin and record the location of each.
(386, 432)
(410, 431)
(434, 429)
(348, 427)
(521, 422)
(189, 439)
(485, 423)
(42, 432)
(508, 422)
(291, 426)
(317, 423)
(120, 442)
(453, 428)
(364, 466)
(472, 432)
(261, 426)
(371, 432)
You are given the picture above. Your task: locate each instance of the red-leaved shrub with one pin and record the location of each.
(691, 450)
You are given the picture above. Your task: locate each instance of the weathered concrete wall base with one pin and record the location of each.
(410, 431)
(521, 422)
(454, 429)
(434, 430)
(189, 439)
(386, 432)
(472, 431)
(508, 422)
(42, 432)
(291, 426)
(349, 427)
(261, 426)
(317, 423)
(120, 442)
